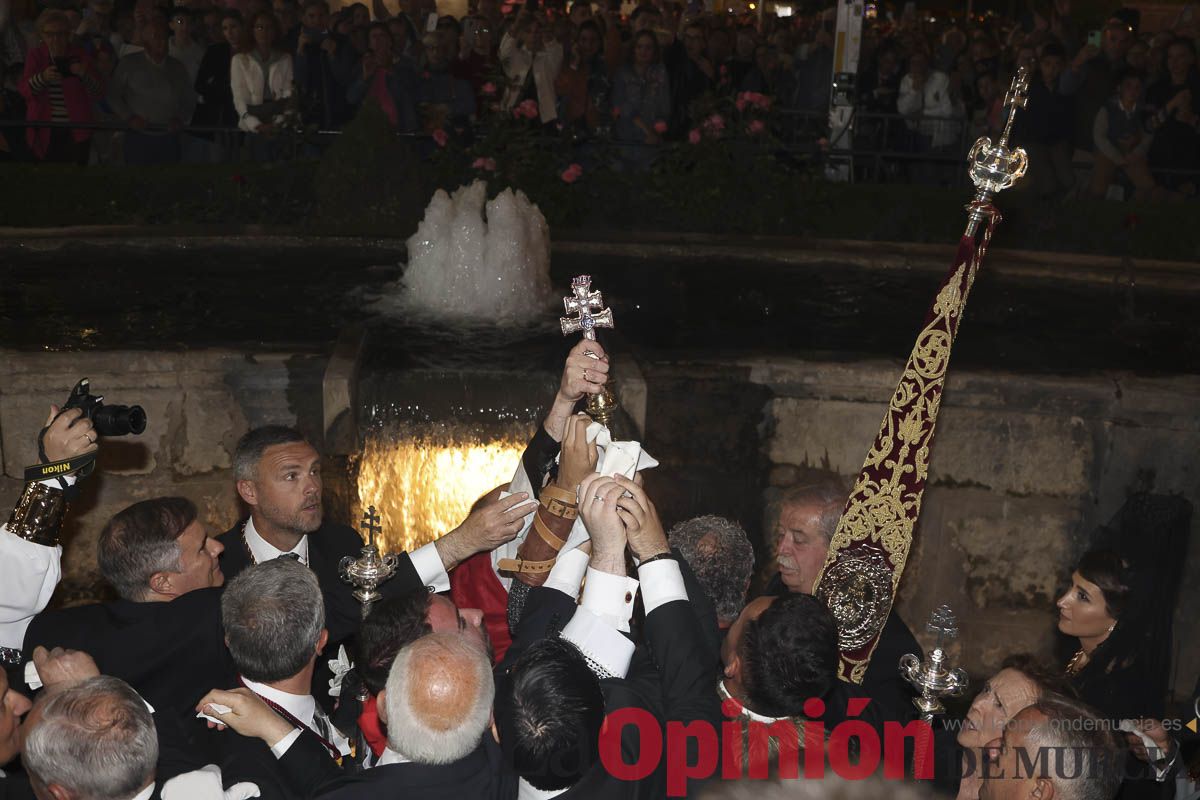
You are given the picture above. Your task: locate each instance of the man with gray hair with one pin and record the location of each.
(437, 706)
(722, 559)
(1055, 749)
(801, 522)
(93, 741)
(274, 620)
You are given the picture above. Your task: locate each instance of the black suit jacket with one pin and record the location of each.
(672, 675)
(305, 765)
(170, 653)
(890, 694)
(326, 548)
(15, 787)
(479, 776)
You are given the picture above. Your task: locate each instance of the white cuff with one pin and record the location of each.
(280, 748)
(610, 597)
(54, 484)
(429, 567)
(662, 583)
(608, 652)
(567, 574)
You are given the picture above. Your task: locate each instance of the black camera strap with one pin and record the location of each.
(80, 466)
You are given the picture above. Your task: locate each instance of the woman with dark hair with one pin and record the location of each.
(641, 102)
(1120, 608)
(261, 77)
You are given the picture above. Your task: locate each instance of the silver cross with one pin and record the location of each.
(588, 306)
(371, 525)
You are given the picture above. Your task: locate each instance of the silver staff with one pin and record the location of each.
(370, 569)
(994, 167)
(934, 678)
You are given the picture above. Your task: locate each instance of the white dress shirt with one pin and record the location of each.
(526, 791)
(301, 706)
(425, 559)
(261, 550)
(29, 573)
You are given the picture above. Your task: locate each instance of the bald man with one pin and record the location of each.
(438, 710)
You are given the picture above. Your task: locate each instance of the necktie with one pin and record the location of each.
(324, 728)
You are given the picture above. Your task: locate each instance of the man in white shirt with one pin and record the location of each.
(278, 476)
(274, 620)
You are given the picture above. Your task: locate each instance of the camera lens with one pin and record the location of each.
(119, 420)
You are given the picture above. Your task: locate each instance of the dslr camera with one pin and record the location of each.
(109, 420)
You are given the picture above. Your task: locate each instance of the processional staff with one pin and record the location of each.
(870, 545)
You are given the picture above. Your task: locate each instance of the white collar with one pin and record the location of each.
(262, 550)
(300, 706)
(527, 791)
(144, 794)
(745, 709)
(390, 756)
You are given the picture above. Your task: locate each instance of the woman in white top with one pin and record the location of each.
(531, 65)
(261, 77)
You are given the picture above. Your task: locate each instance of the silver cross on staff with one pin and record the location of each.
(371, 525)
(589, 308)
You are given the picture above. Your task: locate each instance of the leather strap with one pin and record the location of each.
(560, 509)
(547, 535)
(564, 496)
(525, 567)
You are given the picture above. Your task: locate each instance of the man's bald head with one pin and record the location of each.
(438, 698)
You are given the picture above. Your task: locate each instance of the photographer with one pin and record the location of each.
(60, 84)
(30, 554)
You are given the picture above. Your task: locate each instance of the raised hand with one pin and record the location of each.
(60, 669)
(491, 525)
(69, 435)
(579, 456)
(598, 508)
(643, 528)
(583, 373)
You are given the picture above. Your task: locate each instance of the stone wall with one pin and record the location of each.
(197, 404)
(1023, 469)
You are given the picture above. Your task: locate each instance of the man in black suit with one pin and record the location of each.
(569, 667)
(274, 620)
(804, 519)
(163, 636)
(278, 476)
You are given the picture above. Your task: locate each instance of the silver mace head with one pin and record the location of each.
(370, 569)
(994, 167)
(935, 678)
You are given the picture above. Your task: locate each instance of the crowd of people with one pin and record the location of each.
(1110, 110)
(241, 664)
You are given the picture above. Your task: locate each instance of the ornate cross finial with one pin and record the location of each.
(589, 308)
(1014, 101)
(371, 525)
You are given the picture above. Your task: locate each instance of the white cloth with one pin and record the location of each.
(527, 792)
(613, 457)
(262, 550)
(29, 574)
(518, 62)
(248, 83)
(205, 784)
(390, 756)
(145, 794)
(301, 706)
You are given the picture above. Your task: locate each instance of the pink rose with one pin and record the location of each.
(488, 164)
(527, 109)
(488, 88)
(715, 123)
(755, 127)
(440, 137)
(568, 176)
(660, 127)
(741, 104)
(575, 169)
(694, 136)
(239, 179)
(616, 113)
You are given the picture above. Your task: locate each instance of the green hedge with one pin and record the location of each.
(368, 183)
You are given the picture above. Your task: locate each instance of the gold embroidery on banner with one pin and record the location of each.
(885, 503)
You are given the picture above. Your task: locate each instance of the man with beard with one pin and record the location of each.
(278, 475)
